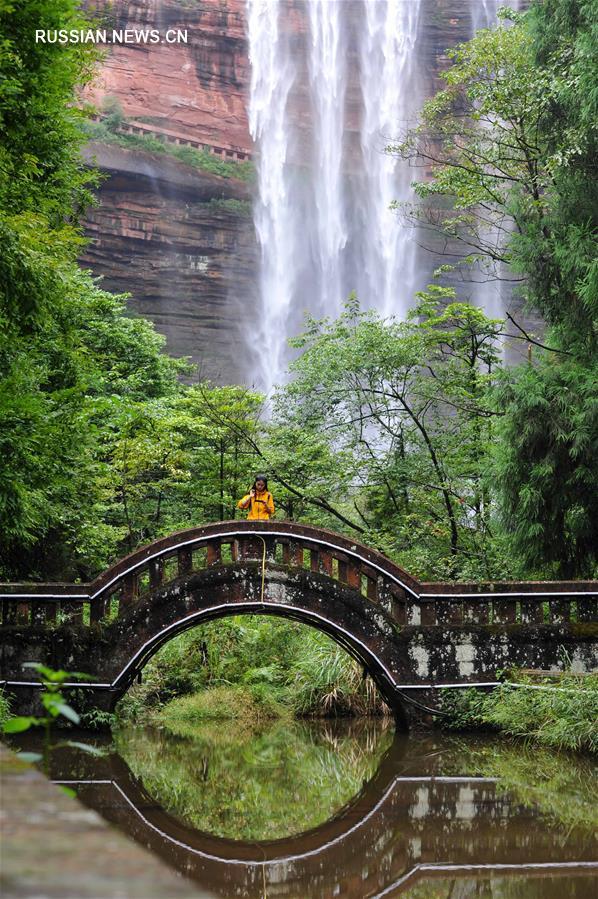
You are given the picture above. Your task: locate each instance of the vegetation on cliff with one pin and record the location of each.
(107, 131)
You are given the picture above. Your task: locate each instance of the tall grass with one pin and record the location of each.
(282, 666)
(326, 681)
(563, 714)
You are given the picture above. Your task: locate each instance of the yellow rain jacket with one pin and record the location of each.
(261, 506)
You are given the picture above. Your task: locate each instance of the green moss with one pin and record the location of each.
(241, 208)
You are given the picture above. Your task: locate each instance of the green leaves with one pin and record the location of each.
(53, 702)
(512, 145)
(20, 723)
(52, 676)
(55, 706)
(546, 465)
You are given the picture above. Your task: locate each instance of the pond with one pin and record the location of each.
(347, 808)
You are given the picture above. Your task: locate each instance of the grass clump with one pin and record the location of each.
(181, 716)
(4, 708)
(563, 714)
(327, 682)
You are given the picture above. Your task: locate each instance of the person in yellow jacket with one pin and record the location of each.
(259, 500)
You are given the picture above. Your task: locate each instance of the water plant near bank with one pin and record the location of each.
(561, 713)
(57, 709)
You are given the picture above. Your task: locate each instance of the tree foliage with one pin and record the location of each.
(548, 467)
(401, 418)
(512, 144)
(101, 446)
(406, 433)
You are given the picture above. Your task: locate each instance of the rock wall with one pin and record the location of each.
(197, 88)
(178, 239)
(181, 242)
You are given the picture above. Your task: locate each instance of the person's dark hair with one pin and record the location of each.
(260, 477)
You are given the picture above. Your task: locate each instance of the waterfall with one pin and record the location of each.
(327, 81)
(272, 76)
(386, 63)
(332, 83)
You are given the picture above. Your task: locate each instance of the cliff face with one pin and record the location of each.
(181, 241)
(196, 88)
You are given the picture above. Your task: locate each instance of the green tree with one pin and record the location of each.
(558, 251)
(476, 136)
(43, 186)
(401, 413)
(180, 460)
(101, 446)
(511, 142)
(548, 467)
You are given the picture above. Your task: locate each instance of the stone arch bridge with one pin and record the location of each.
(411, 637)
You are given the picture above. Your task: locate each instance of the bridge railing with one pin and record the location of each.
(297, 547)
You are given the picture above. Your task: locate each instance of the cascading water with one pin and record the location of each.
(327, 79)
(386, 65)
(333, 82)
(323, 106)
(273, 74)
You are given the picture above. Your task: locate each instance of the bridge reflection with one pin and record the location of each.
(408, 823)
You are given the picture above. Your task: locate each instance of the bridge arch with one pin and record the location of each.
(316, 600)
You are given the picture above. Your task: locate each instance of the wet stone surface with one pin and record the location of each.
(54, 847)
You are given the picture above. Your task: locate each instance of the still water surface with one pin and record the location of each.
(323, 809)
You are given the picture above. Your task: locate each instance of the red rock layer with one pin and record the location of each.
(197, 88)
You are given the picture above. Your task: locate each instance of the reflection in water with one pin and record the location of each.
(256, 786)
(283, 812)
